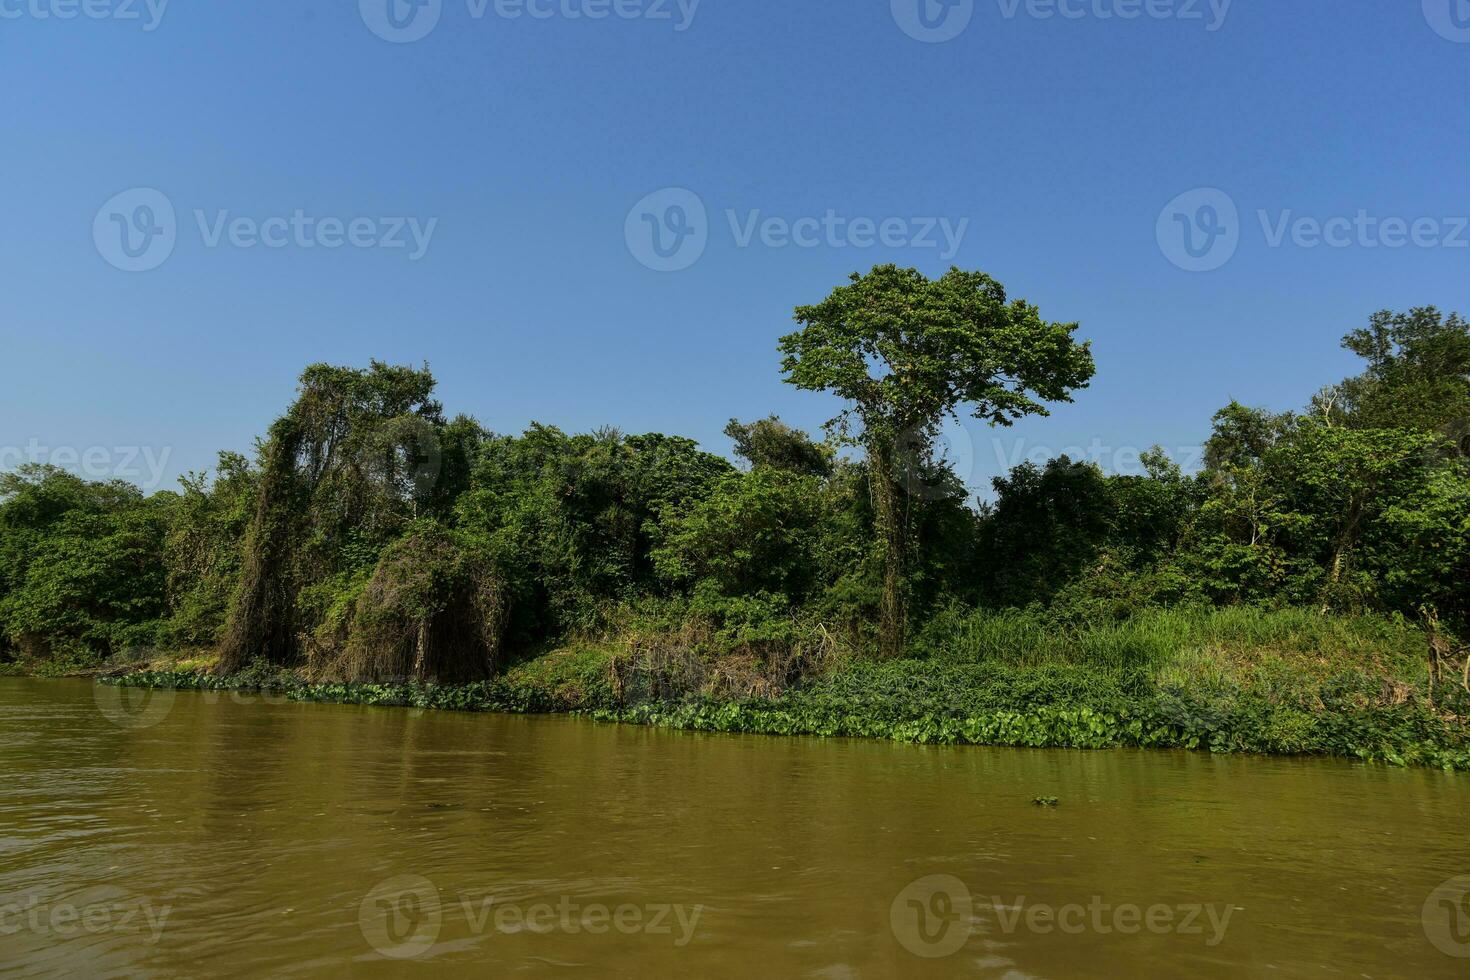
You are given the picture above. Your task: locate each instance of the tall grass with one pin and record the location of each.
(1178, 643)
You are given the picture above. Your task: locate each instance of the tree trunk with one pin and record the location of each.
(893, 540)
(1345, 540)
(261, 622)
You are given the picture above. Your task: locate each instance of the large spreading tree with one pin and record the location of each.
(906, 352)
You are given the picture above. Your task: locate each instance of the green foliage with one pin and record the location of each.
(1417, 377)
(905, 352)
(572, 519)
(1233, 680)
(202, 551)
(1176, 639)
(1058, 531)
(1047, 705)
(1264, 604)
(1316, 517)
(569, 681)
(1045, 527)
(937, 344)
(357, 457)
(434, 609)
(752, 532)
(1069, 707)
(81, 565)
(772, 444)
(1425, 550)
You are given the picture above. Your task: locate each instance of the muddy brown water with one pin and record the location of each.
(209, 835)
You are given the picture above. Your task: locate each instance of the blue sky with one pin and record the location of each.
(520, 147)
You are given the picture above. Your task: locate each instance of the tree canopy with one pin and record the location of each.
(905, 352)
(370, 535)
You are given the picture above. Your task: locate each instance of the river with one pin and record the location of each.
(214, 835)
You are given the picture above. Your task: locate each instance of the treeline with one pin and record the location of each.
(372, 536)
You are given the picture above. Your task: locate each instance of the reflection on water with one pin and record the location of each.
(205, 836)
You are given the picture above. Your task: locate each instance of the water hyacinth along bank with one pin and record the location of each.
(1296, 701)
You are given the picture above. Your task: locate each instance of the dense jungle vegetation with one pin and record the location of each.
(375, 545)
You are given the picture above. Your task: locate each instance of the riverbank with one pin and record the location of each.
(1237, 683)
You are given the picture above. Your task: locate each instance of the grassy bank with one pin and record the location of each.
(1282, 683)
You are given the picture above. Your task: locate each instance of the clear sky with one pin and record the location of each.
(513, 157)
